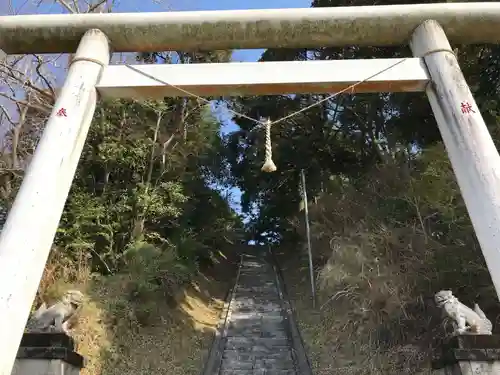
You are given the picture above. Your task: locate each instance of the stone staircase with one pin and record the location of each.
(256, 340)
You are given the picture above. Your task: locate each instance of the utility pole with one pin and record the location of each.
(308, 232)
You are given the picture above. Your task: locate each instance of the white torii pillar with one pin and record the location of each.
(471, 150)
(29, 231)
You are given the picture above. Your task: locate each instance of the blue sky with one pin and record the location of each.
(50, 6)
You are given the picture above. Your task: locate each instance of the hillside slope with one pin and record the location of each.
(129, 326)
(382, 247)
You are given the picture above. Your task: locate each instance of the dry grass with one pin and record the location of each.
(173, 342)
(364, 310)
(120, 336)
(378, 263)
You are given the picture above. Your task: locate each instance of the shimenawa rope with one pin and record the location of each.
(269, 165)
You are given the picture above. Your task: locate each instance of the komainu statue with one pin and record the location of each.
(466, 320)
(56, 318)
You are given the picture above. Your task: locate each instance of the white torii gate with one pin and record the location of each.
(28, 234)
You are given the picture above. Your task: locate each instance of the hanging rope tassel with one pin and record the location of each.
(269, 165)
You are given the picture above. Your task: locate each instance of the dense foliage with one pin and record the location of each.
(346, 135)
(146, 176)
(132, 185)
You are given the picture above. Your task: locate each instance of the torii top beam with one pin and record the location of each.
(235, 29)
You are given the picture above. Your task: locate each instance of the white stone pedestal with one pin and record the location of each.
(469, 355)
(47, 354)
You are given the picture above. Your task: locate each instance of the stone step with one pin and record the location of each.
(255, 305)
(273, 372)
(269, 366)
(256, 292)
(274, 363)
(263, 298)
(255, 333)
(256, 309)
(257, 320)
(239, 355)
(256, 277)
(249, 305)
(258, 297)
(262, 343)
(238, 316)
(260, 350)
(265, 278)
(256, 302)
(257, 372)
(255, 284)
(257, 271)
(267, 315)
(229, 364)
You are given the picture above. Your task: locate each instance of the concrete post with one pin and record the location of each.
(30, 228)
(471, 150)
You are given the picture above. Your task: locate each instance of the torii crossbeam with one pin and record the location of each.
(28, 234)
(380, 25)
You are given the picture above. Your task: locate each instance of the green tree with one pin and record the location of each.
(345, 136)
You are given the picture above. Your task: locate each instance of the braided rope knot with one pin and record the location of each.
(269, 165)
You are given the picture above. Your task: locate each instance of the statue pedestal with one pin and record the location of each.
(469, 355)
(47, 354)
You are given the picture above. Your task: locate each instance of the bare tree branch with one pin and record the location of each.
(42, 77)
(16, 132)
(44, 109)
(6, 114)
(24, 80)
(99, 6)
(67, 6)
